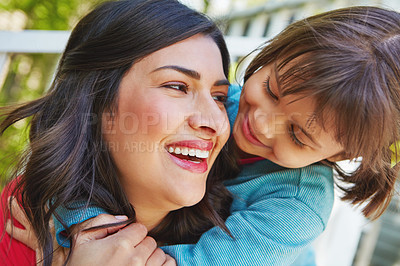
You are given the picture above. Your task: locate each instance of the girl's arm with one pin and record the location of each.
(128, 245)
(275, 217)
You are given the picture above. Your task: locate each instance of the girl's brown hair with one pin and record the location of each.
(349, 61)
(67, 159)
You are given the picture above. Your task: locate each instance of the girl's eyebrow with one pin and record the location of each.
(191, 73)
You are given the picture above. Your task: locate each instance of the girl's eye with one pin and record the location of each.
(294, 138)
(176, 86)
(221, 98)
(268, 90)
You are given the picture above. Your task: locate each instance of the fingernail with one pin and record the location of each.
(121, 217)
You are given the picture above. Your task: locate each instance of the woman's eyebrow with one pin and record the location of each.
(188, 72)
(191, 73)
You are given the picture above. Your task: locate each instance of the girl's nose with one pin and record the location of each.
(269, 124)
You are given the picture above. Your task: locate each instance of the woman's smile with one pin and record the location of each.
(181, 124)
(191, 155)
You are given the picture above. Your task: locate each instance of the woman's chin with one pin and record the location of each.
(191, 199)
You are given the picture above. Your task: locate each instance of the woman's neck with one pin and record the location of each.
(149, 217)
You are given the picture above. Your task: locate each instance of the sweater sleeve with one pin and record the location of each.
(270, 224)
(75, 213)
(232, 104)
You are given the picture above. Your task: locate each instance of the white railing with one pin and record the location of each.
(47, 42)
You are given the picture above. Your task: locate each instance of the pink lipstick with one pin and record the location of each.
(248, 133)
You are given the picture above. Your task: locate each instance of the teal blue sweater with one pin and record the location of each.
(275, 215)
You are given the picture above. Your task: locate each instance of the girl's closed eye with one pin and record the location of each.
(268, 90)
(293, 136)
(176, 86)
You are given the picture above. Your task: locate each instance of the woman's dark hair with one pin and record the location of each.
(67, 159)
(349, 61)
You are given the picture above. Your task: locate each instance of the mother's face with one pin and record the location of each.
(170, 124)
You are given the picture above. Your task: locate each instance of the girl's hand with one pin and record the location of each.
(27, 236)
(118, 245)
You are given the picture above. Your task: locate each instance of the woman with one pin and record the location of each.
(129, 124)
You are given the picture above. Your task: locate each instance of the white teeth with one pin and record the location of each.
(185, 151)
(202, 154)
(191, 152)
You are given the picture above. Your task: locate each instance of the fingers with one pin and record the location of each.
(157, 258)
(22, 235)
(132, 243)
(27, 235)
(133, 235)
(170, 261)
(128, 246)
(98, 233)
(17, 212)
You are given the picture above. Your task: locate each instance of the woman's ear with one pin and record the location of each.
(338, 157)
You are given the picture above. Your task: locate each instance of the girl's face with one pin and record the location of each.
(283, 130)
(169, 126)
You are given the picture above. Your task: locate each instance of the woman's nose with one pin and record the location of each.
(209, 117)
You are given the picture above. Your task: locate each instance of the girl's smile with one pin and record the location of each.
(248, 132)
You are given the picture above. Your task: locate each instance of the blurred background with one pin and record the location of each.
(33, 33)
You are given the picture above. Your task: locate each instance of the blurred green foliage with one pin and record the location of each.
(30, 74)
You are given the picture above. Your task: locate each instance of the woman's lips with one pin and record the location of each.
(198, 167)
(248, 133)
(196, 159)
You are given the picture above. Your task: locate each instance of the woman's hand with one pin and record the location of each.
(27, 235)
(118, 245)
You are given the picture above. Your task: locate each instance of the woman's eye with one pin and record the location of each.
(294, 138)
(268, 90)
(179, 87)
(221, 98)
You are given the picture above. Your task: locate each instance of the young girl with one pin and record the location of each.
(323, 90)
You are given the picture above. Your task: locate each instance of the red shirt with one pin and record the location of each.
(12, 252)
